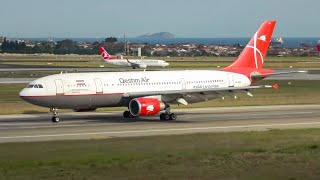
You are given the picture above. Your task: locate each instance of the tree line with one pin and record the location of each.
(66, 46)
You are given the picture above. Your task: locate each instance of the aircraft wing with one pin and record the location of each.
(196, 91)
(136, 65)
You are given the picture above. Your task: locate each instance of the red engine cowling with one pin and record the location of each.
(145, 106)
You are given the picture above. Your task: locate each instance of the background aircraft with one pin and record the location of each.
(134, 63)
(146, 93)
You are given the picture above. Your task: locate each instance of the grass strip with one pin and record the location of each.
(275, 154)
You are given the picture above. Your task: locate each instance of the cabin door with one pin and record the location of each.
(59, 86)
(183, 83)
(231, 80)
(99, 88)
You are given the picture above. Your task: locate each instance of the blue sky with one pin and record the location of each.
(184, 18)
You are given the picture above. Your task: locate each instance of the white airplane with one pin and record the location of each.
(146, 93)
(135, 63)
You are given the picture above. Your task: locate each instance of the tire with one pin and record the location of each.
(55, 119)
(126, 114)
(162, 116)
(173, 116)
(167, 117)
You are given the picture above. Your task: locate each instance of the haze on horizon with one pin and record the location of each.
(194, 18)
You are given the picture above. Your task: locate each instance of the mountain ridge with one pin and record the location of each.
(160, 35)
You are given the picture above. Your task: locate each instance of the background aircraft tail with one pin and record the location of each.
(104, 54)
(254, 53)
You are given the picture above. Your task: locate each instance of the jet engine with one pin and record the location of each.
(145, 106)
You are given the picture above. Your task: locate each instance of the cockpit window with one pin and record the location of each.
(34, 86)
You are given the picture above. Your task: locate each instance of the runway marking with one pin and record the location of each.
(156, 130)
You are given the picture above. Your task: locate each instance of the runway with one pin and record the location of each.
(100, 125)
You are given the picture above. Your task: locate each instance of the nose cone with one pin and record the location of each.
(23, 93)
(27, 96)
(166, 64)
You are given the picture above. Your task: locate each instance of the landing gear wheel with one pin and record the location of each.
(167, 116)
(127, 114)
(55, 119)
(173, 116)
(163, 116)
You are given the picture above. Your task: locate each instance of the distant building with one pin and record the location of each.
(1, 41)
(277, 42)
(136, 51)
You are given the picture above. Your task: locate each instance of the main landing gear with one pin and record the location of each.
(168, 116)
(55, 118)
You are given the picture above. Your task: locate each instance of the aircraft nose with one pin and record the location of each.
(26, 96)
(22, 93)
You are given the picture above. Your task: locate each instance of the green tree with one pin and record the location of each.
(111, 40)
(66, 46)
(4, 45)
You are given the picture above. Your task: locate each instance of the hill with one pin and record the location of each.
(160, 35)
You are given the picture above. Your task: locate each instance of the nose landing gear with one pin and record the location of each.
(55, 118)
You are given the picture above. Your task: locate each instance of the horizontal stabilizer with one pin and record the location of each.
(258, 76)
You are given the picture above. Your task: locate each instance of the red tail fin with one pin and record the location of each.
(104, 54)
(254, 53)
